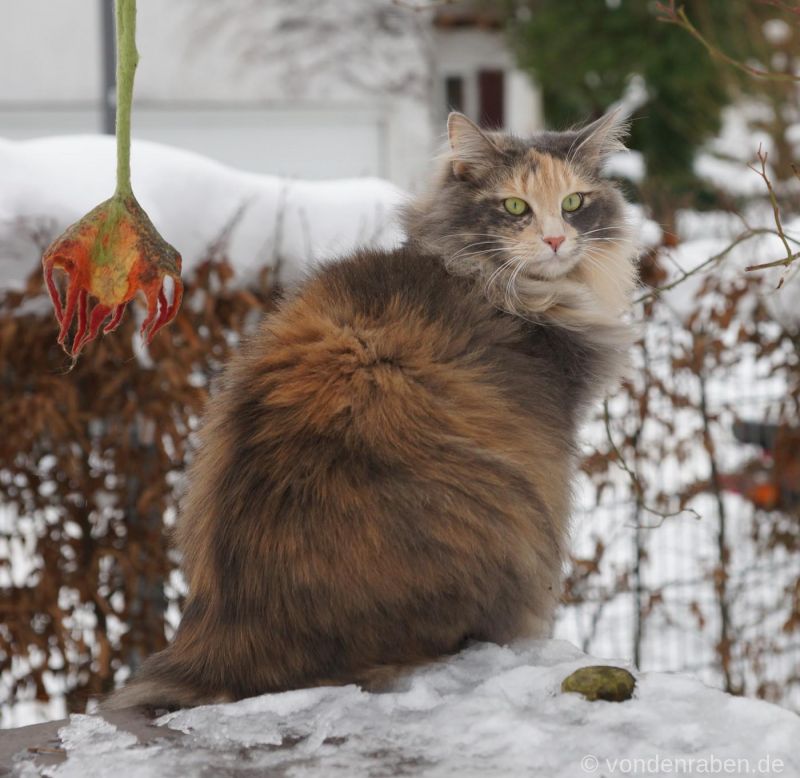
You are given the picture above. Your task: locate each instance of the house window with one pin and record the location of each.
(491, 98)
(454, 93)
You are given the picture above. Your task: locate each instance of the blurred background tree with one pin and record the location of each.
(587, 56)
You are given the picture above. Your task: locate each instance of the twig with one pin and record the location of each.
(305, 227)
(781, 6)
(677, 16)
(421, 6)
(637, 484)
(722, 573)
(776, 214)
(218, 249)
(750, 232)
(741, 238)
(277, 241)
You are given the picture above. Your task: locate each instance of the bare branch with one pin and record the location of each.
(739, 239)
(747, 234)
(670, 14)
(776, 214)
(636, 483)
(781, 5)
(421, 6)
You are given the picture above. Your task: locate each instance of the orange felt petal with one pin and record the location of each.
(111, 255)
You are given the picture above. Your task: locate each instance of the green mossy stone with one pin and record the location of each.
(601, 682)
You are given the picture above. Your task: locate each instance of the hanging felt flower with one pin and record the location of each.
(109, 256)
(114, 252)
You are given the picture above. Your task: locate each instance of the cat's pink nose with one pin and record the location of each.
(555, 242)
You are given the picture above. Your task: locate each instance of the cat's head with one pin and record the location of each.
(534, 218)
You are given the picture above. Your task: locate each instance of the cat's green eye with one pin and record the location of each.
(515, 206)
(572, 202)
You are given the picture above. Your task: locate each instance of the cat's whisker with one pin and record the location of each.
(601, 229)
(608, 243)
(498, 271)
(467, 258)
(497, 275)
(474, 245)
(513, 281)
(510, 284)
(490, 240)
(568, 156)
(475, 235)
(596, 262)
(518, 263)
(595, 252)
(597, 257)
(486, 252)
(593, 262)
(600, 247)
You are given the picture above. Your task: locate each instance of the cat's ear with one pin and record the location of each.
(472, 152)
(596, 141)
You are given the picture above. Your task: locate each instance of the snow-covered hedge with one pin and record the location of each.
(47, 184)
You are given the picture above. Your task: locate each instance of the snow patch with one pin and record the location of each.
(49, 183)
(626, 164)
(488, 711)
(93, 735)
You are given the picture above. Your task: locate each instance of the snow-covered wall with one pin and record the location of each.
(49, 183)
(489, 712)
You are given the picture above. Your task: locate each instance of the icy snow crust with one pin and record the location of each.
(489, 711)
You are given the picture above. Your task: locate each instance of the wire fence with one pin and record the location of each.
(690, 560)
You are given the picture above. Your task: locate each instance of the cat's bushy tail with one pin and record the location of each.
(161, 682)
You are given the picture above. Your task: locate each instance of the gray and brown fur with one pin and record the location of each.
(386, 473)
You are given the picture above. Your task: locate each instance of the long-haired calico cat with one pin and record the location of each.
(386, 474)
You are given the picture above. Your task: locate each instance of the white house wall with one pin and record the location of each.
(523, 104)
(193, 90)
(464, 52)
(49, 53)
(196, 89)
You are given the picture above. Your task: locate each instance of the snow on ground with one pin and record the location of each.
(49, 183)
(489, 711)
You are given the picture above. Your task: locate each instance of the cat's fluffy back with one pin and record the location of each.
(382, 358)
(385, 475)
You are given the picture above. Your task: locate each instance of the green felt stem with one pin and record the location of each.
(127, 59)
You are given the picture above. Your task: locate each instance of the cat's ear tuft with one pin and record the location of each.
(472, 152)
(595, 142)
